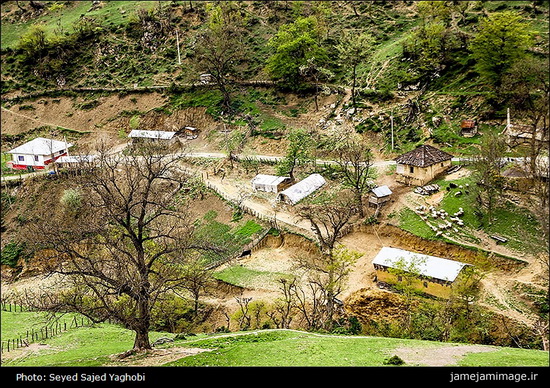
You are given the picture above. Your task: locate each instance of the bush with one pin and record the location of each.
(11, 253)
(394, 360)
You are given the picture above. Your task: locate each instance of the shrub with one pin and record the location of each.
(11, 253)
(394, 360)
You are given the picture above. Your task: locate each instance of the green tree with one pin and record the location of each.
(295, 44)
(503, 38)
(429, 46)
(354, 49)
(298, 152)
(33, 42)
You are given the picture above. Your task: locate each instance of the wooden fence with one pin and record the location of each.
(38, 334)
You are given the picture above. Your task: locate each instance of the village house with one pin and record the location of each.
(37, 154)
(270, 183)
(379, 196)
(432, 275)
(302, 189)
(421, 165)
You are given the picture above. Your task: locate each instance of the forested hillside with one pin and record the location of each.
(175, 237)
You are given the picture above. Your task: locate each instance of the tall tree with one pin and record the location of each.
(329, 269)
(502, 39)
(293, 45)
(122, 245)
(488, 165)
(354, 49)
(220, 47)
(355, 161)
(298, 152)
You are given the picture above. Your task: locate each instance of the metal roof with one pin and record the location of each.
(382, 191)
(425, 265)
(262, 179)
(302, 189)
(162, 135)
(41, 146)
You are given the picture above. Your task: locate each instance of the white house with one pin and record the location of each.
(269, 183)
(302, 189)
(37, 153)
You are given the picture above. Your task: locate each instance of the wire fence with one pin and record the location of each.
(37, 334)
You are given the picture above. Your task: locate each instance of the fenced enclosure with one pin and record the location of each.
(41, 333)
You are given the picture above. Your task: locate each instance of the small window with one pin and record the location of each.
(61, 152)
(21, 158)
(36, 158)
(411, 169)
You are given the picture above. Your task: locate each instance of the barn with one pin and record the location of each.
(302, 189)
(270, 183)
(432, 275)
(37, 153)
(421, 165)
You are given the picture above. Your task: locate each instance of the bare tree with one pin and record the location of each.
(355, 161)
(123, 246)
(329, 269)
(219, 48)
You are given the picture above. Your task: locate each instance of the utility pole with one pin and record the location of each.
(178, 44)
(391, 121)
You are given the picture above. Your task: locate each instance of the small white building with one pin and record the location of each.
(302, 189)
(75, 161)
(153, 135)
(269, 183)
(37, 153)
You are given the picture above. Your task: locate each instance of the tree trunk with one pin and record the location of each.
(353, 85)
(141, 341)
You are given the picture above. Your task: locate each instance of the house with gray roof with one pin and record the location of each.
(421, 165)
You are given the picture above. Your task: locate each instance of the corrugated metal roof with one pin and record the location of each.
(41, 146)
(263, 179)
(302, 189)
(382, 191)
(425, 265)
(163, 135)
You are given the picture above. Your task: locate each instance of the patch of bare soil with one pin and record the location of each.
(438, 356)
(33, 348)
(155, 357)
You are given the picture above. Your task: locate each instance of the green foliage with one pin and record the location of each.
(503, 38)
(294, 45)
(12, 252)
(394, 360)
(298, 152)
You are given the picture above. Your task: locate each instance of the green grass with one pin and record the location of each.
(288, 348)
(515, 223)
(411, 222)
(249, 278)
(66, 16)
(231, 239)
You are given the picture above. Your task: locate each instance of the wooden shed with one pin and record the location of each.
(468, 128)
(421, 165)
(429, 274)
(379, 196)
